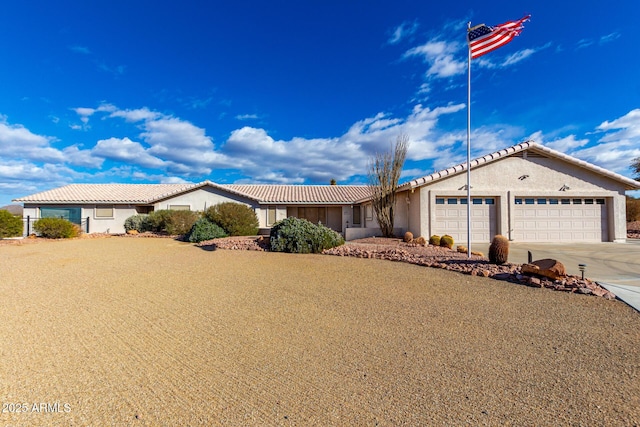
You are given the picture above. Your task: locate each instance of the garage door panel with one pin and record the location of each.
(574, 220)
(451, 218)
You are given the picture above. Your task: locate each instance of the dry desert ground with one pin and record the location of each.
(155, 332)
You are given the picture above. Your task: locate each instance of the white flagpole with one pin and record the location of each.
(469, 146)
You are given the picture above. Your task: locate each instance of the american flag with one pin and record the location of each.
(483, 39)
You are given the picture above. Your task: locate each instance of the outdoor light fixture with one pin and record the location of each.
(523, 177)
(582, 268)
(565, 188)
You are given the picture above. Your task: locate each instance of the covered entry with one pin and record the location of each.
(544, 219)
(451, 218)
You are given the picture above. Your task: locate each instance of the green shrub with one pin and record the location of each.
(56, 228)
(157, 221)
(446, 241)
(203, 229)
(136, 222)
(180, 222)
(235, 219)
(10, 225)
(297, 235)
(434, 240)
(172, 222)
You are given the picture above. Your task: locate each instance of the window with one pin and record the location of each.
(452, 201)
(477, 201)
(179, 207)
(577, 201)
(439, 201)
(518, 201)
(70, 214)
(553, 201)
(542, 201)
(144, 209)
(104, 212)
(588, 201)
(599, 201)
(565, 201)
(490, 201)
(271, 215)
(463, 201)
(356, 215)
(369, 212)
(529, 201)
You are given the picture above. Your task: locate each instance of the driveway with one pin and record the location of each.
(616, 266)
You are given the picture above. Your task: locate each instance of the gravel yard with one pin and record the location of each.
(152, 332)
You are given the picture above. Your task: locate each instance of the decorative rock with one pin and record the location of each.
(550, 268)
(535, 282)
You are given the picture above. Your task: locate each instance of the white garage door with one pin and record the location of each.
(451, 218)
(565, 220)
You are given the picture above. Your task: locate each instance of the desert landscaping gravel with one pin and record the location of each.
(156, 332)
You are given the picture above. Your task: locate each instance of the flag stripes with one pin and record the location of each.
(484, 39)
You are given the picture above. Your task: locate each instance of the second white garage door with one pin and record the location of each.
(451, 218)
(560, 220)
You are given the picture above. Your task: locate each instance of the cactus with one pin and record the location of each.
(462, 249)
(446, 241)
(420, 241)
(408, 237)
(499, 250)
(434, 240)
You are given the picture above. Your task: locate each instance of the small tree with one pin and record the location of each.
(635, 165)
(633, 209)
(384, 175)
(10, 225)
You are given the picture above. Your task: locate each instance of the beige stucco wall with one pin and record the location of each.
(512, 177)
(114, 225)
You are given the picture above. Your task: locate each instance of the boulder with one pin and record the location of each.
(550, 268)
(132, 232)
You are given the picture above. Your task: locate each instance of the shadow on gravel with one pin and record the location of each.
(209, 248)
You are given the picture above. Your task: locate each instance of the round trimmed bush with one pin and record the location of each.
(136, 222)
(203, 229)
(56, 228)
(446, 241)
(296, 235)
(10, 225)
(236, 219)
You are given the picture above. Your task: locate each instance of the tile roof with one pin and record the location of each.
(524, 146)
(298, 194)
(108, 193)
(150, 193)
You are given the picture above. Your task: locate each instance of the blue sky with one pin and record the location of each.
(302, 92)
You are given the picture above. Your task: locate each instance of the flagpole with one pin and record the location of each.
(469, 147)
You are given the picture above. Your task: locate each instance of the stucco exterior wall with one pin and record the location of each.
(514, 176)
(114, 225)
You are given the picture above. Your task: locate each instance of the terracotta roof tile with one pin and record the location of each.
(296, 194)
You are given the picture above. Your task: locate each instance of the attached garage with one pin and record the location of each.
(551, 219)
(527, 193)
(451, 218)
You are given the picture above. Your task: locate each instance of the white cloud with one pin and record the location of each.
(126, 150)
(246, 116)
(441, 58)
(402, 31)
(565, 145)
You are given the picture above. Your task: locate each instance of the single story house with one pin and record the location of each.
(527, 192)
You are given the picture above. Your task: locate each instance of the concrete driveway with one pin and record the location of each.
(616, 266)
